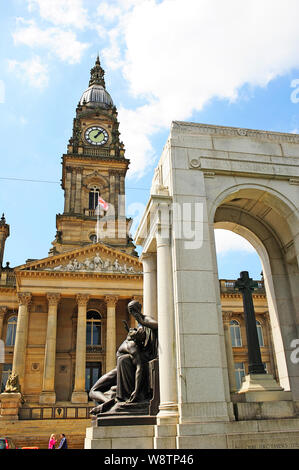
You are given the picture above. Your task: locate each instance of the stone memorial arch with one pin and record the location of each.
(246, 181)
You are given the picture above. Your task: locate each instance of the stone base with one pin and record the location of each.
(79, 397)
(10, 404)
(119, 437)
(261, 388)
(255, 434)
(47, 398)
(264, 410)
(125, 420)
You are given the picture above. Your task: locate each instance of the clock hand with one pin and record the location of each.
(96, 136)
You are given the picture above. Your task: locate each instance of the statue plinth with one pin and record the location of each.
(10, 404)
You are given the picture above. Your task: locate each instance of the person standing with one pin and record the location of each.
(52, 442)
(63, 442)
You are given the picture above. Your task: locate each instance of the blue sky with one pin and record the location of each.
(226, 63)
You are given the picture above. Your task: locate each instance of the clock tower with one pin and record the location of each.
(94, 166)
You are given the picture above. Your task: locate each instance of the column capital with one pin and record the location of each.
(227, 316)
(149, 261)
(53, 298)
(163, 237)
(138, 298)
(111, 300)
(3, 310)
(24, 298)
(82, 299)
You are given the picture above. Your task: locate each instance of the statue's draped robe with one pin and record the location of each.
(126, 370)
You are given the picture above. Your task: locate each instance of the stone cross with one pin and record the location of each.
(246, 285)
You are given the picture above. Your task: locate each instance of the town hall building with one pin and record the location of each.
(61, 317)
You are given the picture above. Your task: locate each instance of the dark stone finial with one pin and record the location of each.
(97, 74)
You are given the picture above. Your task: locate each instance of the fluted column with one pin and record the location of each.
(167, 355)
(48, 395)
(19, 356)
(111, 301)
(149, 262)
(79, 394)
(3, 310)
(227, 316)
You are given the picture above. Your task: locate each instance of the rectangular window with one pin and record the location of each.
(240, 373)
(93, 372)
(6, 371)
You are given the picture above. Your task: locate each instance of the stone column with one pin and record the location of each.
(67, 193)
(79, 394)
(149, 261)
(167, 354)
(111, 301)
(112, 190)
(19, 356)
(3, 311)
(78, 191)
(227, 316)
(48, 395)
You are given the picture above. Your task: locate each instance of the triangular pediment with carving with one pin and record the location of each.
(96, 258)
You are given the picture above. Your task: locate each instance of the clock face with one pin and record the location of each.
(96, 135)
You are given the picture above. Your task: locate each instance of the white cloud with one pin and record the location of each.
(63, 44)
(178, 56)
(32, 71)
(61, 12)
(227, 241)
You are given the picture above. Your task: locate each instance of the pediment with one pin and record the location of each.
(95, 258)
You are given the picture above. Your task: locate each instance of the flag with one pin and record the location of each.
(103, 203)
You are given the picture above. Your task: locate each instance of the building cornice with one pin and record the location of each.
(208, 129)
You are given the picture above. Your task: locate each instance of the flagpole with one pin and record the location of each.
(98, 223)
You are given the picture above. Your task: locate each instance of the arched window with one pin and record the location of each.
(93, 197)
(235, 333)
(93, 328)
(260, 333)
(11, 331)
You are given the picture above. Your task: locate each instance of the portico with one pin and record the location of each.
(54, 306)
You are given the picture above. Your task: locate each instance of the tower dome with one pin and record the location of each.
(96, 94)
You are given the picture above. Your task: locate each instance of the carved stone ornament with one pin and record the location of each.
(24, 298)
(13, 385)
(95, 264)
(195, 163)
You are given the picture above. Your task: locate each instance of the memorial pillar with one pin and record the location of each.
(111, 301)
(227, 316)
(48, 395)
(79, 394)
(19, 356)
(149, 262)
(167, 355)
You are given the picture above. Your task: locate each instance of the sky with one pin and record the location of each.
(232, 63)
